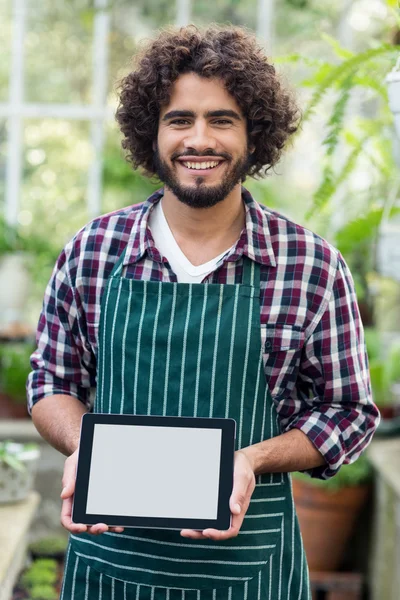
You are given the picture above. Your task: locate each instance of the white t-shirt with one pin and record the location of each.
(169, 249)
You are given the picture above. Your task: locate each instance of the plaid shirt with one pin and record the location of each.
(312, 338)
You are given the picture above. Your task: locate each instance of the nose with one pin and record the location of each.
(200, 138)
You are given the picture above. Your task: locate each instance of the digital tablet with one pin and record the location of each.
(155, 472)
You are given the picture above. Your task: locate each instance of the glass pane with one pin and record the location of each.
(58, 52)
(56, 159)
(5, 45)
(236, 12)
(121, 184)
(130, 22)
(3, 151)
(57, 156)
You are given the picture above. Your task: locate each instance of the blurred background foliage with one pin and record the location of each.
(336, 178)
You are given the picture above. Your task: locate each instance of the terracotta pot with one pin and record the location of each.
(11, 409)
(327, 520)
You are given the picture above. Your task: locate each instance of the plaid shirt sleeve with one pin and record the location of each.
(333, 384)
(63, 362)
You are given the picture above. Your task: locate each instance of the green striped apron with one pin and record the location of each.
(190, 350)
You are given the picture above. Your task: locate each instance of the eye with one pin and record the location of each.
(222, 122)
(179, 122)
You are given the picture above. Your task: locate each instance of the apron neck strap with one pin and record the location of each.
(251, 273)
(250, 277)
(117, 270)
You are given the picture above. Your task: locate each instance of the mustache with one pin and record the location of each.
(201, 155)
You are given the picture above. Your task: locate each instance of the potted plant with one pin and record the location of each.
(53, 546)
(328, 511)
(384, 365)
(23, 258)
(18, 463)
(14, 370)
(40, 581)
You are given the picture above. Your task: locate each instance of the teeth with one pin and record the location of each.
(202, 165)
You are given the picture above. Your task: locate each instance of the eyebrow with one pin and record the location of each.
(223, 112)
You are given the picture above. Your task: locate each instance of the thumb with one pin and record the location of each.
(235, 505)
(68, 480)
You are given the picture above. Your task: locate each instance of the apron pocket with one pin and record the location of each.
(165, 559)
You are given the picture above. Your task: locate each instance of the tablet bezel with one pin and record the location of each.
(89, 420)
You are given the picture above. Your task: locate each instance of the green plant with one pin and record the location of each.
(347, 214)
(43, 592)
(14, 369)
(384, 366)
(42, 573)
(358, 473)
(12, 454)
(49, 546)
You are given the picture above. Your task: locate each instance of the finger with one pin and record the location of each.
(68, 480)
(66, 520)
(192, 534)
(97, 529)
(116, 529)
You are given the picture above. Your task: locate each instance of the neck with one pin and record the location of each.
(216, 223)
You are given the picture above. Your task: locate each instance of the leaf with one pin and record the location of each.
(339, 50)
(345, 69)
(14, 463)
(336, 119)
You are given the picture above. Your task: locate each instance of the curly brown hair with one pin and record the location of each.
(228, 53)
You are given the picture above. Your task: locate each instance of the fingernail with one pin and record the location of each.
(237, 508)
(62, 491)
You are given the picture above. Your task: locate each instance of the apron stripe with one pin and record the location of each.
(246, 361)
(229, 376)
(255, 404)
(199, 353)
(74, 578)
(101, 586)
(112, 354)
(270, 577)
(158, 557)
(139, 339)
(216, 344)
(184, 351)
(281, 560)
(66, 569)
(168, 573)
(168, 357)
(292, 552)
(87, 583)
(103, 370)
(124, 347)
(301, 573)
(153, 351)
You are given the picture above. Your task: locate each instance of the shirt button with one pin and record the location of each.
(268, 345)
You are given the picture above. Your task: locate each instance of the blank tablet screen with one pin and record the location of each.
(155, 471)
(144, 471)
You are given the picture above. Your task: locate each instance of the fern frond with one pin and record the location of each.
(344, 70)
(338, 49)
(351, 161)
(369, 82)
(336, 119)
(324, 193)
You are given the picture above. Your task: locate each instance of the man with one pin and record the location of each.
(258, 322)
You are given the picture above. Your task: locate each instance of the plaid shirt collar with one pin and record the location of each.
(254, 241)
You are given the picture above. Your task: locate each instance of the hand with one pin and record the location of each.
(244, 482)
(67, 494)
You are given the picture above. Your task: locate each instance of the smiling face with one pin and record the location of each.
(201, 152)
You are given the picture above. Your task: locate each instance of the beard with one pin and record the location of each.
(201, 195)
